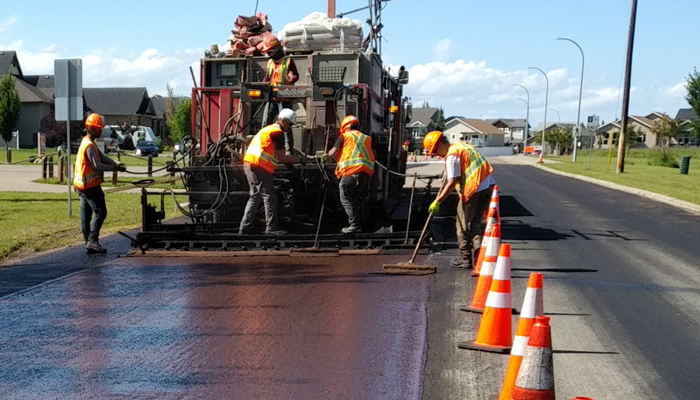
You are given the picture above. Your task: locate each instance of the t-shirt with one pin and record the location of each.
(454, 171)
(277, 138)
(339, 142)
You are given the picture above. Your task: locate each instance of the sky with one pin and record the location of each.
(465, 56)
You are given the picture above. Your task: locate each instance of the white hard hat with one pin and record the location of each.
(289, 114)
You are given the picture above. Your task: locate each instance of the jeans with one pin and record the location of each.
(261, 190)
(92, 200)
(352, 189)
(470, 222)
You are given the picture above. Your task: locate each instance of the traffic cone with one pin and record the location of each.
(493, 216)
(539, 161)
(533, 305)
(495, 329)
(483, 285)
(536, 377)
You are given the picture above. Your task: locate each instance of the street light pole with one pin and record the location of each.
(527, 117)
(558, 116)
(546, 101)
(580, 93)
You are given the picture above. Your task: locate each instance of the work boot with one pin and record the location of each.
(351, 229)
(276, 232)
(94, 248)
(460, 262)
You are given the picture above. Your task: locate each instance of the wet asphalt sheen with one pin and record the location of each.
(621, 285)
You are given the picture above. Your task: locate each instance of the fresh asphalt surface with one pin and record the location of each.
(621, 284)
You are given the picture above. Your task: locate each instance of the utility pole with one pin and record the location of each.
(626, 93)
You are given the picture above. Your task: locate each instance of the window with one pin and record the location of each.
(454, 137)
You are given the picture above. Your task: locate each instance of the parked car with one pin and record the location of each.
(147, 147)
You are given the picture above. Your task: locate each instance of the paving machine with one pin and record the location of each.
(232, 103)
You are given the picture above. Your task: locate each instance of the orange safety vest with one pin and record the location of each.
(357, 155)
(473, 166)
(261, 150)
(278, 72)
(84, 176)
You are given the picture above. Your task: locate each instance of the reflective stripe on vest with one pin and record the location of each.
(278, 72)
(84, 176)
(261, 150)
(472, 174)
(356, 156)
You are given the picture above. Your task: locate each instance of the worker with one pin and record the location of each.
(88, 176)
(471, 175)
(264, 152)
(355, 168)
(281, 69)
(406, 144)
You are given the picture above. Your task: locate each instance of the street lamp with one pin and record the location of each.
(546, 101)
(558, 116)
(580, 92)
(527, 117)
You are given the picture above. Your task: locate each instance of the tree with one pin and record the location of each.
(9, 109)
(56, 131)
(181, 124)
(666, 129)
(693, 97)
(441, 119)
(170, 110)
(425, 105)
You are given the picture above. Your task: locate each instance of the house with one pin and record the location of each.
(514, 129)
(121, 105)
(159, 102)
(684, 138)
(423, 121)
(476, 132)
(642, 124)
(36, 94)
(585, 137)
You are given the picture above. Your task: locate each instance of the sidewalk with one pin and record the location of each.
(19, 178)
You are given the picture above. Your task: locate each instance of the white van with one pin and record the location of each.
(139, 133)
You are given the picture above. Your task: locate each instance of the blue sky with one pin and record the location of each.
(465, 55)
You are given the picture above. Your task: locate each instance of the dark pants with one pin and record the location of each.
(352, 190)
(261, 190)
(471, 222)
(92, 200)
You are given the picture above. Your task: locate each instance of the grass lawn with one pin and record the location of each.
(638, 173)
(127, 158)
(31, 222)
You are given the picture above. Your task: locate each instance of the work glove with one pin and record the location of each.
(121, 168)
(324, 157)
(434, 207)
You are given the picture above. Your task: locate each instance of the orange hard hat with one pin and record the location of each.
(348, 122)
(270, 43)
(95, 120)
(431, 140)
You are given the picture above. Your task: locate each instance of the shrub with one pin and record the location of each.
(128, 143)
(662, 157)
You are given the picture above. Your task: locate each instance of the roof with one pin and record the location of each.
(8, 58)
(686, 114)
(29, 94)
(481, 126)
(118, 101)
(643, 120)
(159, 101)
(424, 116)
(510, 122)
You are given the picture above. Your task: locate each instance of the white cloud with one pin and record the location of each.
(6, 24)
(442, 49)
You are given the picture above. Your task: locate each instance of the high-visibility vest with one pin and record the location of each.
(278, 71)
(261, 150)
(356, 156)
(84, 176)
(473, 166)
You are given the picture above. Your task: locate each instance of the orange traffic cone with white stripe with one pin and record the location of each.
(539, 161)
(536, 377)
(483, 285)
(533, 305)
(493, 216)
(495, 329)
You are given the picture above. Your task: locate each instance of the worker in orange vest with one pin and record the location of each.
(281, 69)
(88, 176)
(264, 152)
(471, 175)
(355, 168)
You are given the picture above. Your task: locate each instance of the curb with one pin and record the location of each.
(681, 204)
